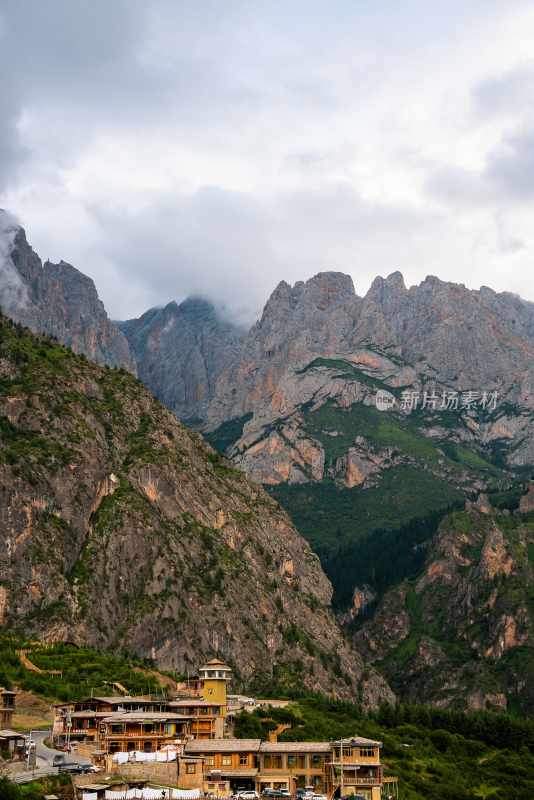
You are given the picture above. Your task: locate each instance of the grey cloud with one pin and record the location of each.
(217, 83)
(234, 247)
(13, 293)
(506, 177)
(509, 93)
(510, 167)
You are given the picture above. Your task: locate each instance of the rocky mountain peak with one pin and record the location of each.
(56, 299)
(329, 288)
(384, 289)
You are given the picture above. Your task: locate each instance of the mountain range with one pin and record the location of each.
(382, 496)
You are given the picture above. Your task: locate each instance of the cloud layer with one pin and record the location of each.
(174, 148)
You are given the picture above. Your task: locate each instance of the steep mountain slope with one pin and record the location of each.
(56, 299)
(121, 528)
(462, 631)
(180, 351)
(297, 410)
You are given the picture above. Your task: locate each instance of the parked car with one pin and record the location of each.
(76, 769)
(59, 759)
(247, 794)
(275, 794)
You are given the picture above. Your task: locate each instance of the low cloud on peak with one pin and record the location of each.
(168, 150)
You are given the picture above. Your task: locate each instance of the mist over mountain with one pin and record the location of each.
(292, 402)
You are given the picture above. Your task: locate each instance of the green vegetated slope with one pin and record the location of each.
(59, 786)
(122, 529)
(461, 631)
(436, 754)
(84, 670)
(419, 479)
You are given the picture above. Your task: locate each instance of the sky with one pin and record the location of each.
(169, 148)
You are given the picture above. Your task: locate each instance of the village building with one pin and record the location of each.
(12, 743)
(80, 721)
(190, 729)
(141, 731)
(198, 714)
(7, 707)
(356, 768)
(332, 768)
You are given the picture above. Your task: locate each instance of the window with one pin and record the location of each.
(291, 761)
(210, 761)
(117, 728)
(367, 752)
(147, 747)
(226, 761)
(266, 761)
(316, 761)
(114, 747)
(148, 727)
(243, 760)
(190, 769)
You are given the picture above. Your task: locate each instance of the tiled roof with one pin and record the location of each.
(143, 716)
(223, 746)
(358, 741)
(88, 714)
(193, 703)
(120, 699)
(295, 747)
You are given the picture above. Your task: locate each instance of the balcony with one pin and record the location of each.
(141, 735)
(362, 781)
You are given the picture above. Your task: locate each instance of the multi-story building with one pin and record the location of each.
(225, 764)
(356, 768)
(206, 718)
(80, 721)
(7, 707)
(347, 767)
(201, 712)
(144, 731)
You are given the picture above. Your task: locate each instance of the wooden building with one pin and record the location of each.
(206, 717)
(80, 721)
(351, 766)
(144, 731)
(7, 707)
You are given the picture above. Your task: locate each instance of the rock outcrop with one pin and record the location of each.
(180, 351)
(461, 634)
(123, 529)
(57, 300)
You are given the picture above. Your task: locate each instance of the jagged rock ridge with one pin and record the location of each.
(462, 632)
(180, 351)
(56, 299)
(122, 528)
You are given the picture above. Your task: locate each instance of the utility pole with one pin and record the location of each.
(342, 785)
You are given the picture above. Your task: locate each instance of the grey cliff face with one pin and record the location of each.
(58, 300)
(180, 351)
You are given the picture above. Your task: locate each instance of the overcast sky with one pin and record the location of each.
(168, 147)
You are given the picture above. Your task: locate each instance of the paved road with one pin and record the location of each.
(44, 761)
(26, 777)
(45, 755)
